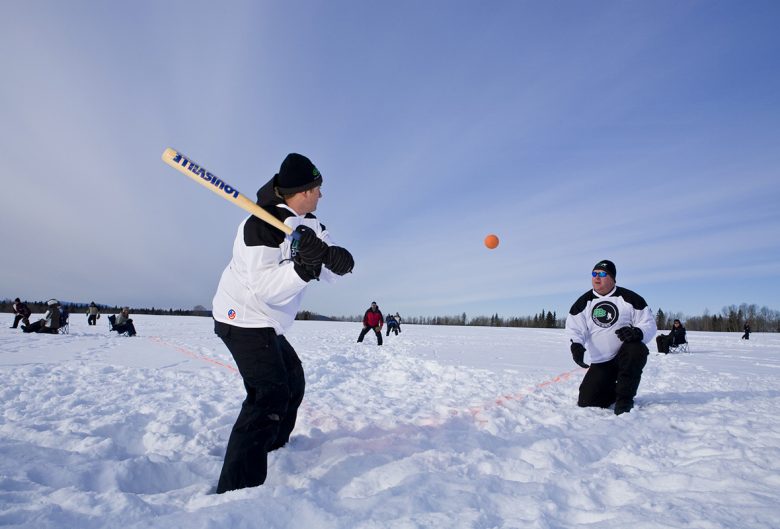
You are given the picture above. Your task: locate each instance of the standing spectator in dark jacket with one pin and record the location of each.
(372, 321)
(93, 313)
(675, 338)
(746, 336)
(22, 312)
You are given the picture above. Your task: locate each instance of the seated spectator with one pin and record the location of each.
(675, 338)
(21, 312)
(122, 322)
(50, 322)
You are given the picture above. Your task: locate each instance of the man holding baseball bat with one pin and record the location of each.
(257, 299)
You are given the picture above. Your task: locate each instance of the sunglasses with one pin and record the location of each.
(599, 274)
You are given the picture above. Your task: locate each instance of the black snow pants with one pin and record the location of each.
(127, 327)
(20, 317)
(615, 381)
(274, 383)
(376, 330)
(662, 342)
(38, 326)
(92, 319)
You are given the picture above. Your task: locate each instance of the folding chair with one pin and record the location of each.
(112, 324)
(679, 348)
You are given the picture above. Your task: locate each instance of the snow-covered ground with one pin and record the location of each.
(440, 427)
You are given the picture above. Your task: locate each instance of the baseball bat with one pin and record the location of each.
(209, 180)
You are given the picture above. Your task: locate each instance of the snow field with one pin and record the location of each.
(440, 427)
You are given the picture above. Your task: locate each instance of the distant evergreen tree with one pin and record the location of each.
(660, 319)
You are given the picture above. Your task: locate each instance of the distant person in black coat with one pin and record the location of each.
(22, 313)
(675, 338)
(746, 336)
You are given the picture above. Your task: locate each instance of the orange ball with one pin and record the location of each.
(491, 241)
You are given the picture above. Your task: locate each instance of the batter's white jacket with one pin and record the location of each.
(593, 320)
(260, 287)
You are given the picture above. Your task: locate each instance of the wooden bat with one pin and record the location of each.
(209, 180)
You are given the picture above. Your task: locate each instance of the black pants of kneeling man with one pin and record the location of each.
(615, 381)
(274, 382)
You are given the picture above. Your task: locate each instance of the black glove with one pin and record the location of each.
(630, 334)
(308, 253)
(578, 354)
(339, 261)
(308, 249)
(308, 272)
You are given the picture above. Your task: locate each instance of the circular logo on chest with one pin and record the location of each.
(605, 313)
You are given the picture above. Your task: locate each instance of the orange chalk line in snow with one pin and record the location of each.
(474, 411)
(192, 354)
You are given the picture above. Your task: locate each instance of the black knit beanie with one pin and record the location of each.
(296, 174)
(608, 267)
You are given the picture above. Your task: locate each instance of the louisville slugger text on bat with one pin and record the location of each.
(198, 173)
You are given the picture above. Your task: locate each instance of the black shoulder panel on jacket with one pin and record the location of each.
(631, 297)
(260, 233)
(581, 303)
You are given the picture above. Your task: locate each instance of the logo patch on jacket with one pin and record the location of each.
(604, 314)
(231, 314)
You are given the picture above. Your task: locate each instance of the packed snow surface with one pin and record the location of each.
(440, 427)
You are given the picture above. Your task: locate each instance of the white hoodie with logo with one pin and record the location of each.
(593, 320)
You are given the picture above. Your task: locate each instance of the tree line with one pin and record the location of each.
(37, 307)
(544, 319)
(731, 318)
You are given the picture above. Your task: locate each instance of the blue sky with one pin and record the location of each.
(642, 132)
